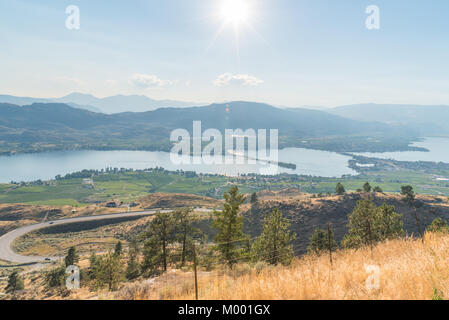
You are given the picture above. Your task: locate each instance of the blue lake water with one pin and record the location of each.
(44, 166)
(438, 152)
(29, 167)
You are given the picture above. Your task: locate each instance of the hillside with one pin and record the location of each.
(166, 200)
(428, 120)
(109, 105)
(307, 213)
(42, 126)
(408, 270)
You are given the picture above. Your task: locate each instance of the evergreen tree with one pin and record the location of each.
(340, 189)
(387, 223)
(152, 263)
(319, 242)
(109, 271)
(438, 226)
(378, 189)
(274, 244)
(132, 269)
(15, 283)
(55, 278)
(367, 187)
(118, 248)
(156, 248)
(408, 193)
(254, 199)
(185, 232)
(72, 257)
(229, 225)
(369, 224)
(93, 268)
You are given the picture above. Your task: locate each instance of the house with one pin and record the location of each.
(88, 183)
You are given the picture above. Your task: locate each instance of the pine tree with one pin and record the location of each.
(387, 223)
(229, 225)
(118, 248)
(55, 278)
(185, 232)
(367, 187)
(156, 248)
(438, 226)
(109, 271)
(132, 269)
(15, 283)
(274, 244)
(369, 224)
(72, 257)
(340, 189)
(254, 199)
(152, 263)
(408, 193)
(319, 242)
(93, 268)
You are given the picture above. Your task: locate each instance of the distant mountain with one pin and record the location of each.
(121, 103)
(109, 105)
(233, 115)
(60, 126)
(320, 108)
(428, 120)
(22, 101)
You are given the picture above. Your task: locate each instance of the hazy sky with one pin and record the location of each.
(288, 52)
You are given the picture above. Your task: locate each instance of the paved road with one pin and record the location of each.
(7, 254)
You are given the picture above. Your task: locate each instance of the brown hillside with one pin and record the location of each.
(166, 200)
(307, 213)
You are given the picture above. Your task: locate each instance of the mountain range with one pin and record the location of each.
(424, 119)
(42, 126)
(428, 120)
(108, 105)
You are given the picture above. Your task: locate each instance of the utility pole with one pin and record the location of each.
(329, 241)
(194, 270)
(370, 235)
(418, 224)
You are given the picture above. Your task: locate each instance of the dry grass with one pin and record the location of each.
(175, 200)
(409, 270)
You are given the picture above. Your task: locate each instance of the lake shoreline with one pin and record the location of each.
(301, 161)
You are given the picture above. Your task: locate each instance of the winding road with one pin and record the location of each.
(7, 253)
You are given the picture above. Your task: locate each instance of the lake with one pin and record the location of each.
(45, 166)
(438, 152)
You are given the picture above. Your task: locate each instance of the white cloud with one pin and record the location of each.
(149, 81)
(227, 79)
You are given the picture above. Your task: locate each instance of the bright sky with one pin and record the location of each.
(283, 52)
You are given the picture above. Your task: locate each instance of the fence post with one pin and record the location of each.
(418, 224)
(195, 272)
(370, 235)
(330, 241)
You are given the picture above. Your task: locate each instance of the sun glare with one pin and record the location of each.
(235, 11)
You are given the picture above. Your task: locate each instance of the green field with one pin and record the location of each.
(127, 186)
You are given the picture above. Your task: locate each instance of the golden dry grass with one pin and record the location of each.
(409, 270)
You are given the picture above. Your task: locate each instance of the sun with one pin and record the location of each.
(235, 11)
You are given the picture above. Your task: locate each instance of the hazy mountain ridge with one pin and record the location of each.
(428, 120)
(56, 126)
(109, 105)
(240, 114)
